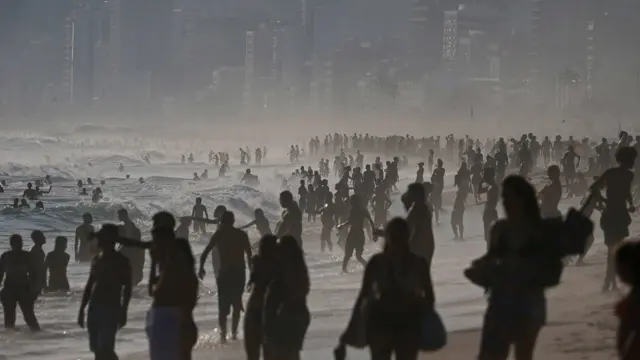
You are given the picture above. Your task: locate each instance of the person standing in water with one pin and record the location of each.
(107, 294)
(260, 221)
(135, 255)
(232, 245)
(199, 211)
(37, 257)
(355, 239)
(56, 264)
(291, 222)
(19, 279)
(84, 246)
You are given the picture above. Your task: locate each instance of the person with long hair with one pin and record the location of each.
(263, 266)
(397, 290)
(171, 329)
(286, 315)
(524, 266)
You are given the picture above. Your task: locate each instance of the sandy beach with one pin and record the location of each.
(581, 324)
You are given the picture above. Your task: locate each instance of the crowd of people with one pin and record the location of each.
(396, 303)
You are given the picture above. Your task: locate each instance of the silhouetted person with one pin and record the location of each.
(107, 294)
(233, 244)
(56, 264)
(399, 283)
(358, 218)
(286, 315)
(84, 245)
(263, 270)
(37, 257)
(615, 219)
(20, 287)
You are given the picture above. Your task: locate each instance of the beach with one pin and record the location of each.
(580, 324)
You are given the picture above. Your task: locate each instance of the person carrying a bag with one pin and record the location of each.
(395, 298)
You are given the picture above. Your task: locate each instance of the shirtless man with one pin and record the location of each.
(232, 244)
(135, 255)
(615, 219)
(199, 211)
(419, 218)
(20, 284)
(107, 293)
(291, 222)
(85, 247)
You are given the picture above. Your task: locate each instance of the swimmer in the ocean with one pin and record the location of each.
(80, 185)
(121, 168)
(40, 205)
(97, 195)
(204, 175)
(196, 177)
(89, 181)
(141, 180)
(30, 193)
(83, 191)
(47, 180)
(16, 203)
(41, 192)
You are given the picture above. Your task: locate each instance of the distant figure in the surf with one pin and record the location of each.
(183, 159)
(96, 195)
(261, 223)
(24, 204)
(199, 211)
(80, 184)
(141, 180)
(40, 205)
(16, 203)
(258, 156)
(41, 192)
(190, 159)
(146, 159)
(196, 177)
(30, 193)
(89, 181)
(56, 264)
(84, 245)
(243, 157)
(204, 175)
(47, 180)
(222, 172)
(121, 168)
(249, 179)
(83, 192)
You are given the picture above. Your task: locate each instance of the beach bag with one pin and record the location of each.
(356, 333)
(433, 335)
